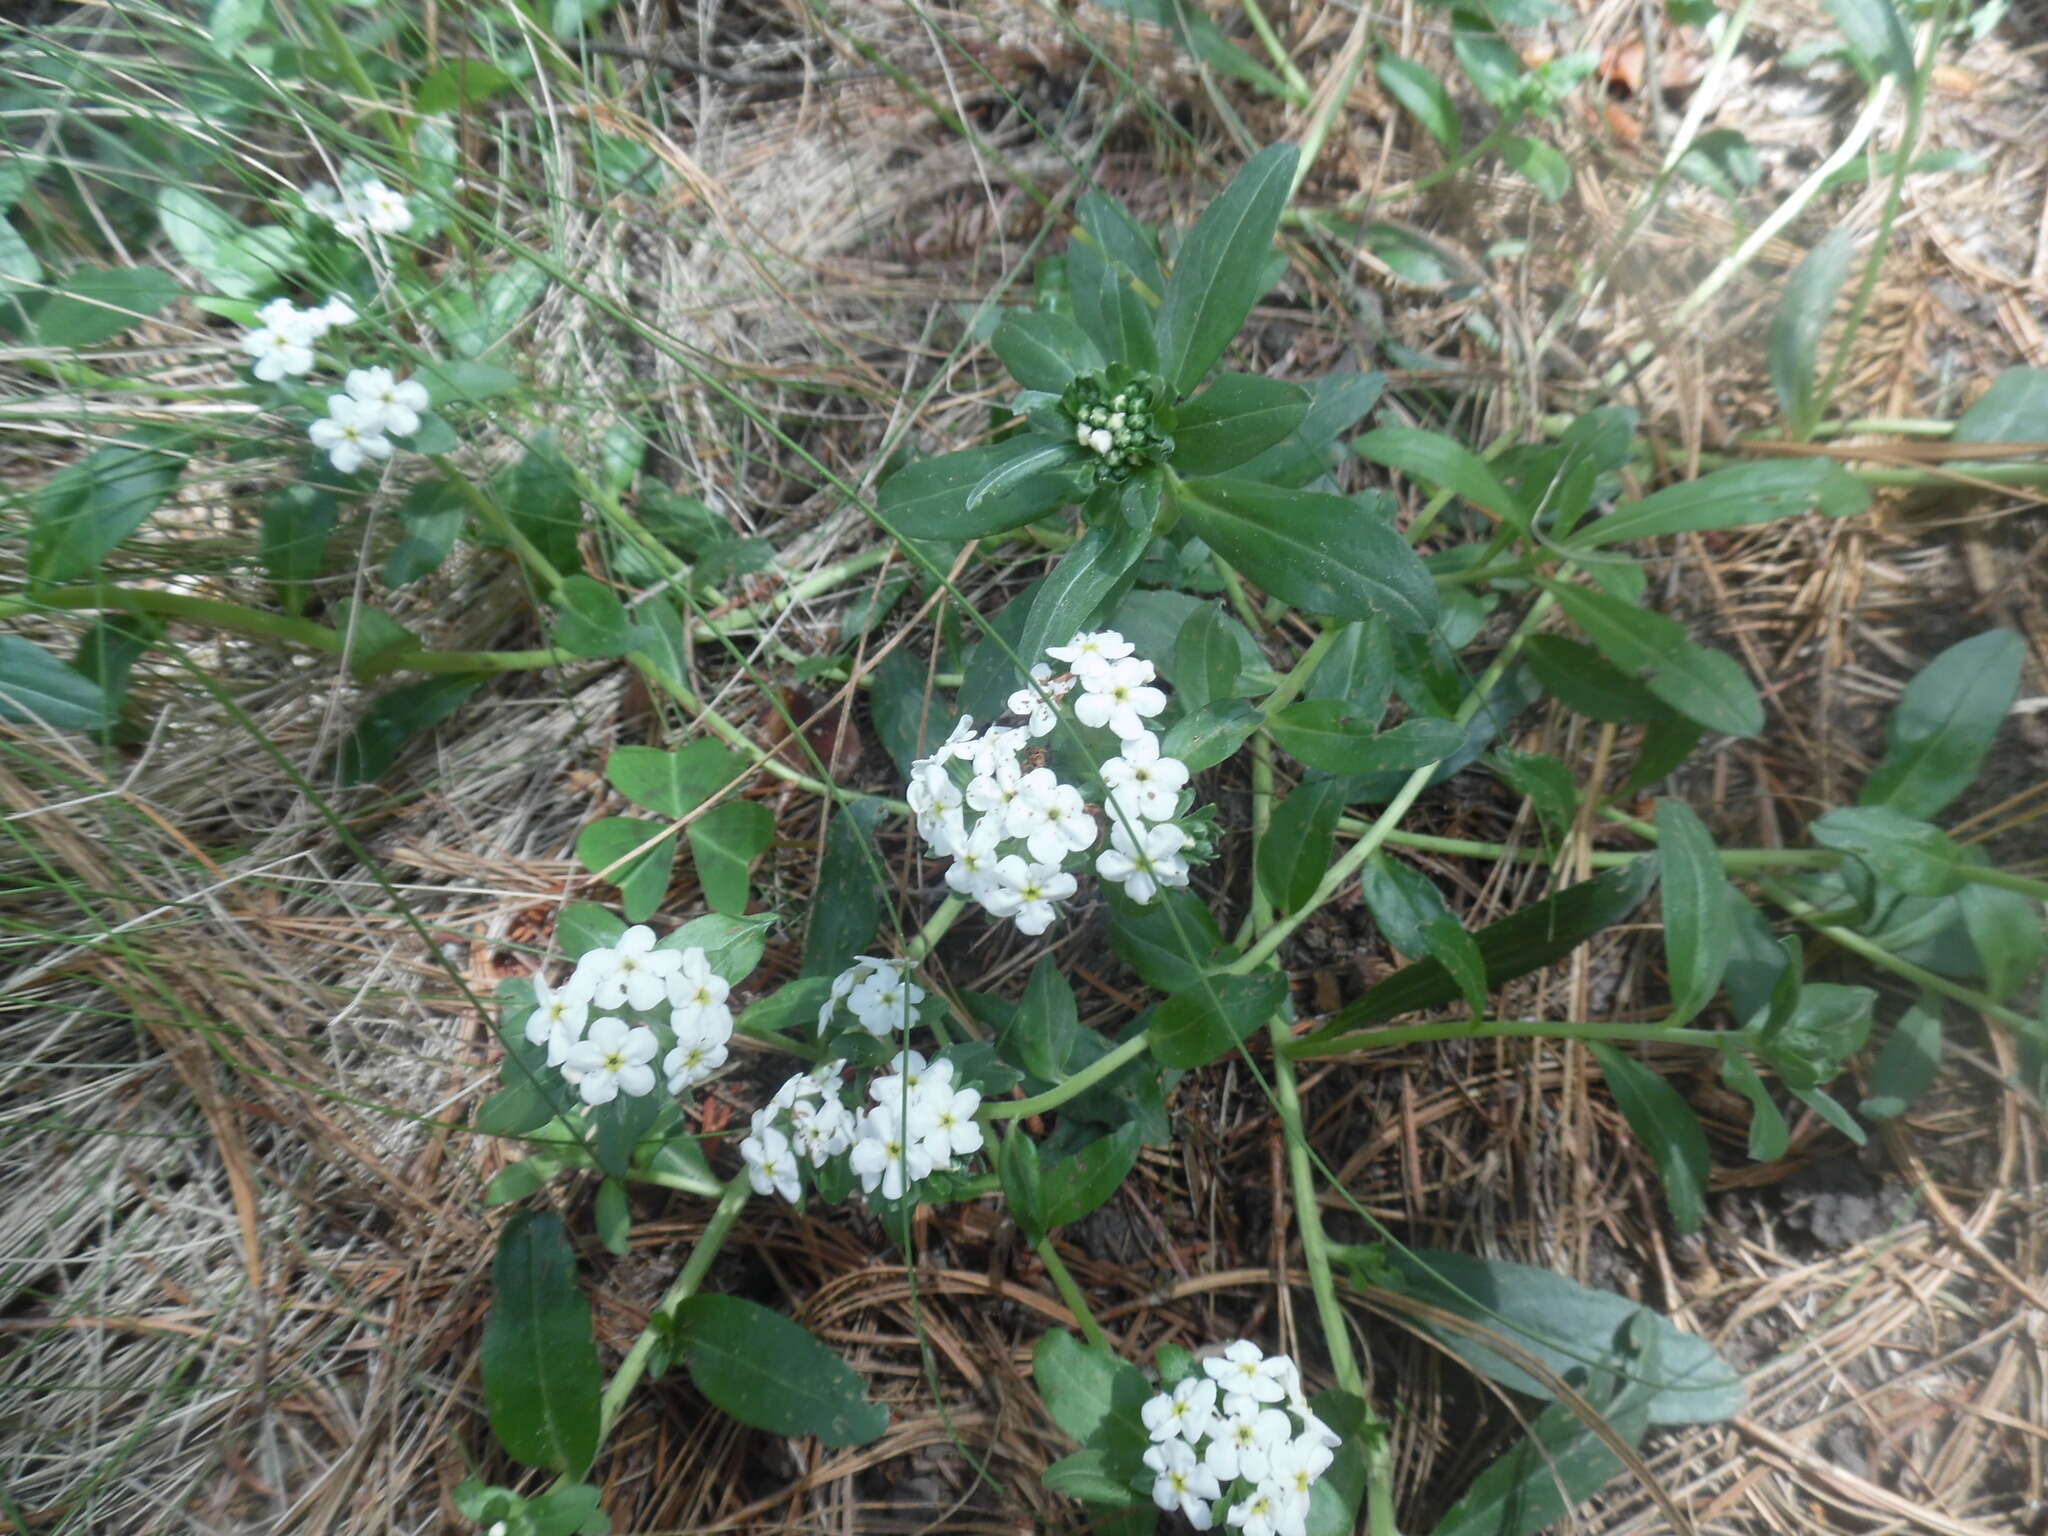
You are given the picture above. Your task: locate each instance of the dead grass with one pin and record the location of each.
(246, 1258)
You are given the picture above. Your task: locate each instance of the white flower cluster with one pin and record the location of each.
(605, 1056)
(1262, 1446)
(282, 339)
(1011, 826)
(374, 407)
(918, 1122)
(369, 207)
(878, 992)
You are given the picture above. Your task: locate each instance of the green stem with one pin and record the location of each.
(342, 52)
(935, 928)
(1501, 132)
(1311, 1048)
(1070, 1293)
(1276, 51)
(1731, 858)
(634, 1366)
(1289, 687)
(1073, 1087)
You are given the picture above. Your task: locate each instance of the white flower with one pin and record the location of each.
(1259, 1513)
(1141, 782)
(1141, 865)
(944, 1121)
(1088, 653)
(1313, 1428)
(385, 211)
(1037, 703)
(932, 790)
(906, 1075)
(698, 994)
(998, 747)
(974, 860)
(960, 744)
(280, 352)
(1027, 892)
(638, 974)
(349, 434)
(1120, 697)
(335, 313)
(822, 1130)
(698, 1052)
(1064, 826)
(558, 1017)
(1296, 1466)
(1025, 813)
(884, 1156)
(1186, 1412)
(1183, 1482)
(1241, 1444)
(886, 1002)
(771, 1165)
(613, 1059)
(397, 402)
(323, 200)
(1245, 1370)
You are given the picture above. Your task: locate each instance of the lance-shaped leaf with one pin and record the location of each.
(1220, 271)
(541, 1379)
(774, 1374)
(1707, 686)
(928, 499)
(1235, 419)
(1044, 351)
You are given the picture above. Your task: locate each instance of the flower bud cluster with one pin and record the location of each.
(602, 1054)
(1014, 830)
(1241, 1432)
(1117, 415)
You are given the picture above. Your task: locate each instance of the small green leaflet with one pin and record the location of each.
(1944, 723)
(88, 509)
(1699, 923)
(1796, 328)
(38, 689)
(635, 855)
(394, 719)
(725, 841)
(1665, 1124)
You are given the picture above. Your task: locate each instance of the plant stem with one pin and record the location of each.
(677, 1181)
(1070, 1293)
(935, 928)
(1073, 1087)
(634, 1366)
(1310, 1049)
(1277, 51)
(1731, 858)
(1288, 689)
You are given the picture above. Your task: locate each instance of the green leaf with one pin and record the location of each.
(1206, 660)
(613, 1218)
(584, 926)
(1735, 497)
(1546, 783)
(230, 22)
(1665, 1124)
(541, 1378)
(1589, 685)
(433, 514)
(1326, 555)
(457, 84)
(1207, 1022)
(1295, 850)
(513, 1111)
(1122, 239)
(1908, 1064)
(1201, 37)
(1437, 460)
(1322, 734)
(1824, 1026)
(1153, 620)
(539, 494)
(1423, 95)
(1234, 419)
(90, 305)
(1087, 576)
(1699, 925)
(296, 523)
(1403, 902)
(1568, 1327)
(1070, 1187)
(1707, 686)
(2005, 930)
(1169, 942)
(1945, 722)
(1032, 457)
(466, 382)
(772, 1374)
(1219, 272)
(1546, 170)
(673, 784)
(1097, 1398)
(1901, 852)
(843, 918)
(108, 651)
(1876, 37)
(83, 512)
(1541, 934)
(1337, 403)
(1768, 1133)
(908, 718)
(1796, 328)
(591, 621)
(928, 499)
(725, 841)
(732, 945)
(38, 689)
(2013, 410)
(393, 720)
(1040, 1037)
(1018, 1165)
(1044, 351)
(606, 849)
(237, 261)
(1557, 1465)
(1090, 1476)
(1204, 737)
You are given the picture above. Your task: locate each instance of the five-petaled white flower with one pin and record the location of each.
(613, 1059)
(771, 1164)
(1087, 654)
(1185, 1412)
(634, 974)
(886, 1157)
(1242, 1444)
(698, 1052)
(280, 351)
(558, 1016)
(1121, 697)
(698, 994)
(1142, 864)
(397, 402)
(1027, 893)
(1142, 784)
(350, 433)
